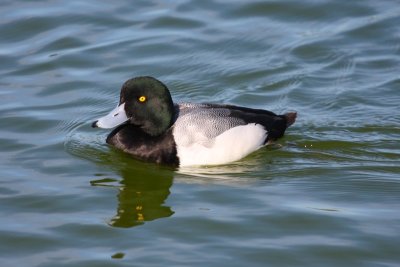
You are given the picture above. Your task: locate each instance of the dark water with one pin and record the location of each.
(328, 196)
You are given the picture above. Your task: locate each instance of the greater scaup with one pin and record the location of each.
(151, 127)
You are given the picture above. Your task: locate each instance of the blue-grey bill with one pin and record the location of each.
(116, 117)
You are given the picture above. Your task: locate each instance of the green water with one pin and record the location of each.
(328, 194)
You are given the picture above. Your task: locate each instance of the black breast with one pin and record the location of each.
(131, 139)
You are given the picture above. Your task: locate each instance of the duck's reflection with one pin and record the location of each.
(141, 196)
(143, 188)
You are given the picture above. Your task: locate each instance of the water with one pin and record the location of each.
(327, 196)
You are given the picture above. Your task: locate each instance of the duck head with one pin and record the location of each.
(144, 102)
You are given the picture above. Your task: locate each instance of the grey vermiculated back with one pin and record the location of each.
(201, 123)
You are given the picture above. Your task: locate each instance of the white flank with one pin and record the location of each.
(229, 146)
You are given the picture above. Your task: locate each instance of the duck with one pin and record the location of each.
(148, 125)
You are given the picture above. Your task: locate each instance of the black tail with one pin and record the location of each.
(290, 118)
(279, 126)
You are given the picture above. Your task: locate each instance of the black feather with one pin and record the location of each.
(131, 139)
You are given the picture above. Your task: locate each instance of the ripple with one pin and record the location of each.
(326, 192)
(174, 23)
(85, 143)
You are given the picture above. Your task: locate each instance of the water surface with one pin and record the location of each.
(327, 195)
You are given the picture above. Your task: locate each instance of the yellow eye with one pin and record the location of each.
(142, 98)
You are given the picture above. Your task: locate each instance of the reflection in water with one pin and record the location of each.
(143, 188)
(141, 196)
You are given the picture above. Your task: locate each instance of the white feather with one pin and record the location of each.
(229, 146)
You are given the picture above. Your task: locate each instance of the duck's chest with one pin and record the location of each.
(160, 149)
